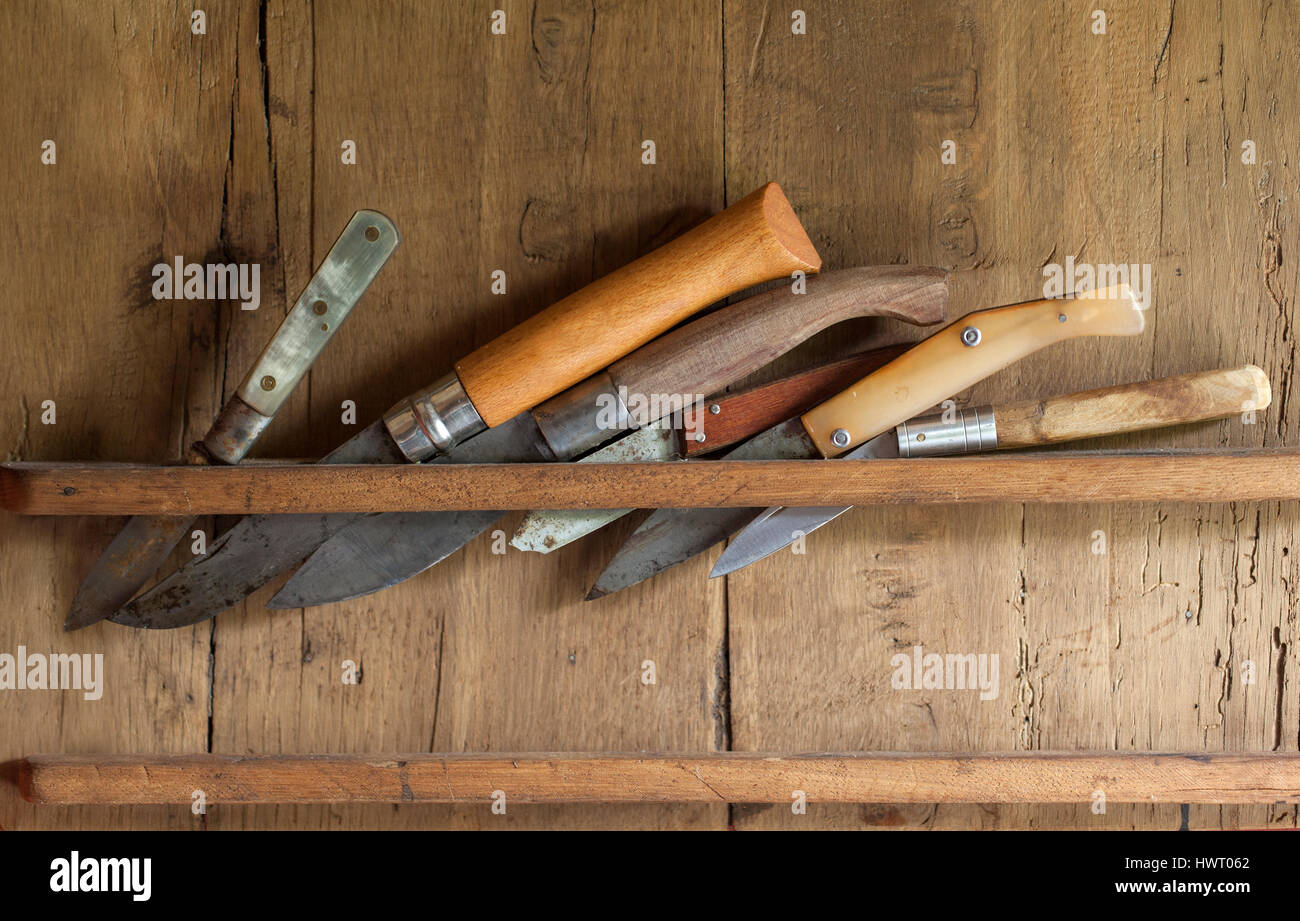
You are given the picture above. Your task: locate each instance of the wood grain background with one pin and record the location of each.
(522, 152)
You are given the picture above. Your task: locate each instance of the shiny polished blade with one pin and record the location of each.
(775, 529)
(545, 530)
(135, 554)
(251, 553)
(778, 527)
(672, 536)
(379, 551)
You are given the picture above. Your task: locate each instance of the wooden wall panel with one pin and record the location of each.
(1105, 148)
(522, 152)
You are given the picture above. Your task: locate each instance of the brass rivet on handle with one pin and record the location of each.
(319, 308)
(372, 233)
(268, 382)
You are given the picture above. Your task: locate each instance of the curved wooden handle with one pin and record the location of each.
(755, 240)
(1132, 407)
(709, 353)
(963, 354)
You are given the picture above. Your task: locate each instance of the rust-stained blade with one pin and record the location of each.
(343, 276)
(252, 552)
(261, 547)
(134, 555)
(672, 536)
(542, 531)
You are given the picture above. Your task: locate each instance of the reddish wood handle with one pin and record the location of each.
(709, 353)
(745, 414)
(755, 240)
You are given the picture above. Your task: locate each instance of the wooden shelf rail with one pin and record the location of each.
(1059, 476)
(864, 777)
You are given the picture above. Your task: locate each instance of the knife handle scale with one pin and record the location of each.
(1132, 407)
(757, 239)
(963, 354)
(714, 351)
(729, 419)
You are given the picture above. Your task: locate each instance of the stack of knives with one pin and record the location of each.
(602, 377)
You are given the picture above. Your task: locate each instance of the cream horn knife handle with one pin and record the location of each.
(342, 277)
(1187, 398)
(961, 355)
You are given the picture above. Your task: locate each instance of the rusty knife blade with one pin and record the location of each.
(144, 544)
(672, 536)
(261, 547)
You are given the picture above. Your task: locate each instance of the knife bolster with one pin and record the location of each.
(972, 430)
(583, 417)
(234, 432)
(434, 420)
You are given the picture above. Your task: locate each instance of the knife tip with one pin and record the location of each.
(596, 592)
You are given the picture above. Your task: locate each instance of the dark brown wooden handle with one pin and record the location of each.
(714, 351)
(1133, 407)
(733, 417)
(755, 240)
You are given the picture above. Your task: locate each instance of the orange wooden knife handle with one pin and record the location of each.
(757, 239)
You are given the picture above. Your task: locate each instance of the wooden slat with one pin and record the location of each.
(733, 777)
(112, 489)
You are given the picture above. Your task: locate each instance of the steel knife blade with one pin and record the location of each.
(946, 363)
(343, 276)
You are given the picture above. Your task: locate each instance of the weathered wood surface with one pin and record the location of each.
(1035, 477)
(731, 777)
(522, 153)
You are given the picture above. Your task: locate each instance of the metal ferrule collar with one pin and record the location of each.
(971, 431)
(433, 420)
(583, 417)
(234, 432)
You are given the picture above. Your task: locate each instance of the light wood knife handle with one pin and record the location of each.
(1133, 407)
(757, 239)
(961, 355)
(709, 353)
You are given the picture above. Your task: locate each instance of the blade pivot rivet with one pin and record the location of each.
(840, 438)
(268, 382)
(971, 336)
(319, 308)
(372, 233)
